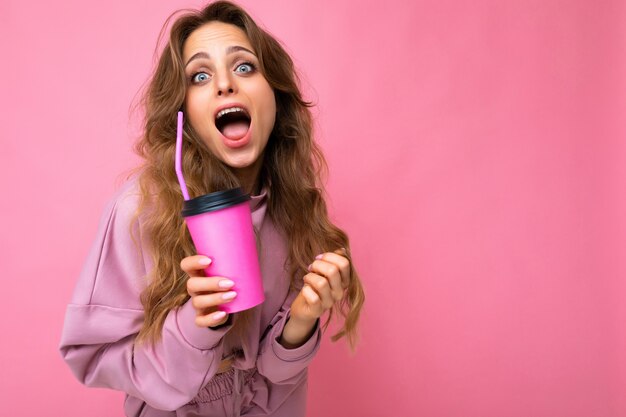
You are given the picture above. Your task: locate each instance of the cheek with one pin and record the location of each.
(196, 105)
(269, 107)
(193, 102)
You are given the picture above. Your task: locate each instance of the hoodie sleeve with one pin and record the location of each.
(279, 364)
(105, 314)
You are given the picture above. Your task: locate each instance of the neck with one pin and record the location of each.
(249, 177)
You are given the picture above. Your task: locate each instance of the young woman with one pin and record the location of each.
(144, 318)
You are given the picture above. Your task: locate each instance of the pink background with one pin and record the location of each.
(478, 162)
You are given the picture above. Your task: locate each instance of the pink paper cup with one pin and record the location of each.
(220, 225)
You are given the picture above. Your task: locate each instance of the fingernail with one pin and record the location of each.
(229, 295)
(225, 283)
(319, 256)
(219, 315)
(204, 261)
(310, 267)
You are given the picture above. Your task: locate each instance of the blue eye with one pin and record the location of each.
(195, 76)
(200, 77)
(246, 64)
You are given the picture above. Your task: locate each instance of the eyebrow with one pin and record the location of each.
(230, 50)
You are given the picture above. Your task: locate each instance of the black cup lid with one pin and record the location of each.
(214, 201)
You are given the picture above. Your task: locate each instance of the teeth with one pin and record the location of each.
(229, 110)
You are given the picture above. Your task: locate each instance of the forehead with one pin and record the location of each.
(214, 37)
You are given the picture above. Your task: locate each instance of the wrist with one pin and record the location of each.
(302, 322)
(297, 331)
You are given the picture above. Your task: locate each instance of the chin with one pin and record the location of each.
(241, 162)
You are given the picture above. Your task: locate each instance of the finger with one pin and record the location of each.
(322, 287)
(332, 273)
(344, 265)
(211, 320)
(202, 285)
(200, 302)
(194, 265)
(339, 258)
(312, 299)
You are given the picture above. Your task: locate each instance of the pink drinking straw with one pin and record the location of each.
(179, 149)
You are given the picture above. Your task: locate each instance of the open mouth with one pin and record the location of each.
(233, 123)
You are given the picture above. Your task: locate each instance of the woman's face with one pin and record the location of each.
(222, 74)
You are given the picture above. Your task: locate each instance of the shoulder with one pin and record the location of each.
(118, 216)
(122, 221)
(120, 213)
(125, 199)
(112, 274)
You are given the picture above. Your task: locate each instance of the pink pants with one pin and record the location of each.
(236, 393)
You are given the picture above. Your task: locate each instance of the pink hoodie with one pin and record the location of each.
(178, 374)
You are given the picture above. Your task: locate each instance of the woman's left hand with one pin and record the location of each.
(323, 286)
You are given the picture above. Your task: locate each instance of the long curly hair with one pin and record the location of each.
(294, 169)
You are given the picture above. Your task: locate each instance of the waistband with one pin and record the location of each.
(223, 384)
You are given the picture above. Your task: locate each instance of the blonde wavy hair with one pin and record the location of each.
(293, 169)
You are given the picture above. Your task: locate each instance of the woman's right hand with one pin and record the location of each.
(206, 292)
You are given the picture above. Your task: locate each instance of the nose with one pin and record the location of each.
(225, 84)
